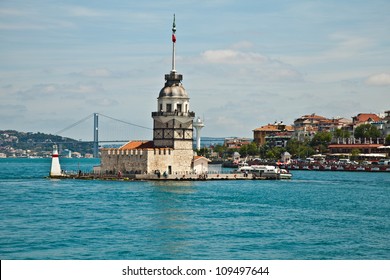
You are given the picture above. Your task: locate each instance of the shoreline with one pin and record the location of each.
(153, 177)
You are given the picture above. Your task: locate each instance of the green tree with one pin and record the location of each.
(367, 131)
(387, 140)
(253, 149)
(299, 149)
(274, 153)
(249, 149)
(321, 138)
(220, 150)
(204, 152)
(341, 133)
(270, 155)
(355, 154)
(321, 141)
(263, 151)
(293, 146)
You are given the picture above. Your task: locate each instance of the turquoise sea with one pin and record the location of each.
(316, 215)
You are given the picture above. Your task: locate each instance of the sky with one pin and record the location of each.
(244, 63)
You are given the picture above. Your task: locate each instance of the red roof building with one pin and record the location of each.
(364, 118)
(272, 131)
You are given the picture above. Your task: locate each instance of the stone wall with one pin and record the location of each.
(115, 160)
(147, 161)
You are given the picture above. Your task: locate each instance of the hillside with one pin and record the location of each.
(21, 144)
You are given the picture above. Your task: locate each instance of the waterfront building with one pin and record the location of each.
(386, 126)
(339, 123)
(275, 135)
(171, 150)
(364, 118)
(201, 165)
(236, 142)
(309, 121)
(307, 126)
(365, 150)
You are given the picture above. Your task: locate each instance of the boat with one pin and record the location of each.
(268, 171)
(284, 174)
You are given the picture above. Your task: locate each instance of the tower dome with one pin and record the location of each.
(173, 91)
(173, 86)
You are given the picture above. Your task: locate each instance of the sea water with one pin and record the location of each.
(316, 215)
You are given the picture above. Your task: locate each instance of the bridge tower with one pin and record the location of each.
(95, 135)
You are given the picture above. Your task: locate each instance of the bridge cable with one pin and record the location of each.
(129, 123)
(73, 125)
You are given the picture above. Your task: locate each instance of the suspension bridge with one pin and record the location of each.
(107, 129)
(112, 128)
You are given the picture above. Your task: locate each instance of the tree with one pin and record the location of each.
(243, 150)
(321, 138)
(299, 149)
(249, 149)
(367, 131)
(387, 140)
(263, 150)
(341, 133)
(270, 155)
(203, 152)
(355, 154)
(220, 150)
(321, 141)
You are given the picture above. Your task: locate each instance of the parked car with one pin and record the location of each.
(384, 162)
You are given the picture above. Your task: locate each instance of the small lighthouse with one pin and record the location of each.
(55, 170)
(198, 125)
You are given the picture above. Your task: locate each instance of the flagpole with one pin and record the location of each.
(174, 45)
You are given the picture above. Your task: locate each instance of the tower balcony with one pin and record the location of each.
(173, 76)
(173, 114)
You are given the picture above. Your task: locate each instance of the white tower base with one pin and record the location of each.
(55, 170)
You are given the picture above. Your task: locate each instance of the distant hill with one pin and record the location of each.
(15, 143)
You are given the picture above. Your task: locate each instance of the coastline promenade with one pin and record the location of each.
(173, 177)
(349, 167)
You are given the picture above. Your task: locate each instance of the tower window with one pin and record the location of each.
(179, 107)
(169, 107)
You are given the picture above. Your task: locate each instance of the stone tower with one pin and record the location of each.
(172, 127)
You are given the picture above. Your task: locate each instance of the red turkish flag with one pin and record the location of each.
(173, 38)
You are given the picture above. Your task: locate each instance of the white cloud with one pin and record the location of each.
(104, 102)
(382, 79)
(101, 73)
(228, 56)
(243, 45)
(11, 12)
(78, 90)
(98, 73)
(79, 11)
(249, 66)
